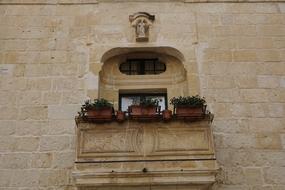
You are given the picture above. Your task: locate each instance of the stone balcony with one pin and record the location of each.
(132, 153)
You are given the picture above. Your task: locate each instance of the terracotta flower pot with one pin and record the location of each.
(166, 115)
(138, 110)
(188, 111)
(120, 116)
(100, 114)
(135, 110)
(148, 110)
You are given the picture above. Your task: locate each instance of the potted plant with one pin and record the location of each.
(189, 106)
(120, 116)
(147, 108)
(99, 109)
(166, 115)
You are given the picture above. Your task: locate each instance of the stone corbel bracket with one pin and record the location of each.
(141, 21)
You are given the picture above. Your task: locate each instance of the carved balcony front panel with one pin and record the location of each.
(144, 141)
(145, 153)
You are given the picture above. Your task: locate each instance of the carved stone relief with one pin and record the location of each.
(145, 154)
(142, 21)
(137, 141)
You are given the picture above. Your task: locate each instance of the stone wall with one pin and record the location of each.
(50, 55)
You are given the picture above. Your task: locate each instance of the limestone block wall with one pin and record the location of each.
(50, 58)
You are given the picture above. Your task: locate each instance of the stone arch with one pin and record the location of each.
(174, 80)
(159, 49)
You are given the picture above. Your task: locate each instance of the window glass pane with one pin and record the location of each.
(159, 67)
(161, 100)
(142, 67)
(126, 101)
(125, 66)
(149, 66)
(129, 100)
(134, 68)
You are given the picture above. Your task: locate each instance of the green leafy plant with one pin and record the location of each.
(190, 101)
(96, 104)
(149, 102)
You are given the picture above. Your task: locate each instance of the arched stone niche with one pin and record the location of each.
(158, 49)
(174, 81)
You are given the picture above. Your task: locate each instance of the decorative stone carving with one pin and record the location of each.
(143, 154)
(138, 141)
(142, 22)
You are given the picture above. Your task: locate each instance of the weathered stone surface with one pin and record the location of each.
(15, 161)
(268, 141)
(55, 177)
(60, 127)
(41, 160)
(267, 81)
(246, 81)
(249, 95)
(40, 84)
(73, 97)
(253, 175)
(274, 175)
(283, 140)
(69, 83)
(8, 113)
(63, 160)
(33, 113)
(23, 178)
(247, 158)
(62, 112)
(29, 98)
(51, 61)
(234, 175)
(26, 144)
(262, 187)
(244, 56)
(236, 141)
(7, 128)
(30, 128)
(51, 98)
(54, 143)
(7, 98)
(267, 125)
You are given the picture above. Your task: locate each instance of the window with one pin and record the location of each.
(125, 100)
(142, 67)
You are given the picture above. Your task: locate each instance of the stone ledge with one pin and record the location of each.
(233, 1)
(47, 2)
(208, 118)
(201, 173)
(89, 179)
(84, 2)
